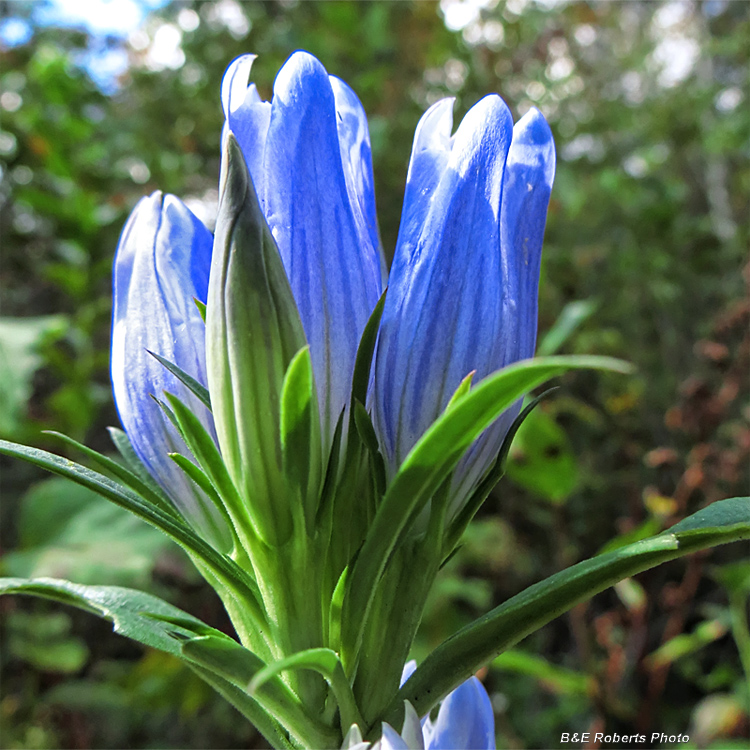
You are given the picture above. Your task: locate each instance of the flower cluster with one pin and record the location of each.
(255, 335)
(465, 720)
(462, 291)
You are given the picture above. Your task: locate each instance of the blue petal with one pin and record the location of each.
(391, 740)
(247, 116)
(429, 159)
(161, 265)
(465, 720)
(409, 669)
(529, 172)
(442, 316)
(326, 244)
(356, 159)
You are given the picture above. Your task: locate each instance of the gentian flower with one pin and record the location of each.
(465, 721)
(308, 154)
(161, 267)
(462, 293)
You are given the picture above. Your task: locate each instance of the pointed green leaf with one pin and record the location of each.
(236, 664)
(224, 568)
(133, 481)
(463, 388)
(152, 622)
(198, 390)
(367, 435)
(127, 609)
(334, 611)
(248, 707)
(198, 476)
(476, 644)
(365, 350)
(428, 464)
(125, 448)
(204, 449)
(300, 431)
(325, 662)
(201, 308)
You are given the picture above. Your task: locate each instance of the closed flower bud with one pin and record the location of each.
(462, 293)
(253, 332)
(161, 268)
(308, 152)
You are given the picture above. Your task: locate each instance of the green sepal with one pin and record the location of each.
(300, 433)
(201, 392)
(463, 388)
(236, 664)
(365, 351)
(198, 476)
(478, 643)
(129, 478)
(253, 331)
(125, 448)
(334, 611)
(201, 308)
(369, 439)
(204, 449)
(325, 662)
(429, 463)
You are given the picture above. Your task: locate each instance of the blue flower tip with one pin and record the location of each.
(533, 129)
(234, 83)
(301, 75)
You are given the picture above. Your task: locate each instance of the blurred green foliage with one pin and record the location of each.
(644, 252)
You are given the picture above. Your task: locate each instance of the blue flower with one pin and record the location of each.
(465, 721)
(462, 294)
(161, 266)
(308, 153)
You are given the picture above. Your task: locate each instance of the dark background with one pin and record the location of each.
(645, 259)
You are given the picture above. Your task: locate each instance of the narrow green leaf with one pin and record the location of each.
(365, 350)
(198, 476)
(463, 388)
(130, 611)
(154, 623)
(334, 611)
(476, 644)
(125, 448)
(325, 662)
(225, 569)
(145, 490)
(428, 464)
(236, 664)
(248, 707)
(207, 454)
(200, 391)
(369, 438)
(300, 431)
(201, 308)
